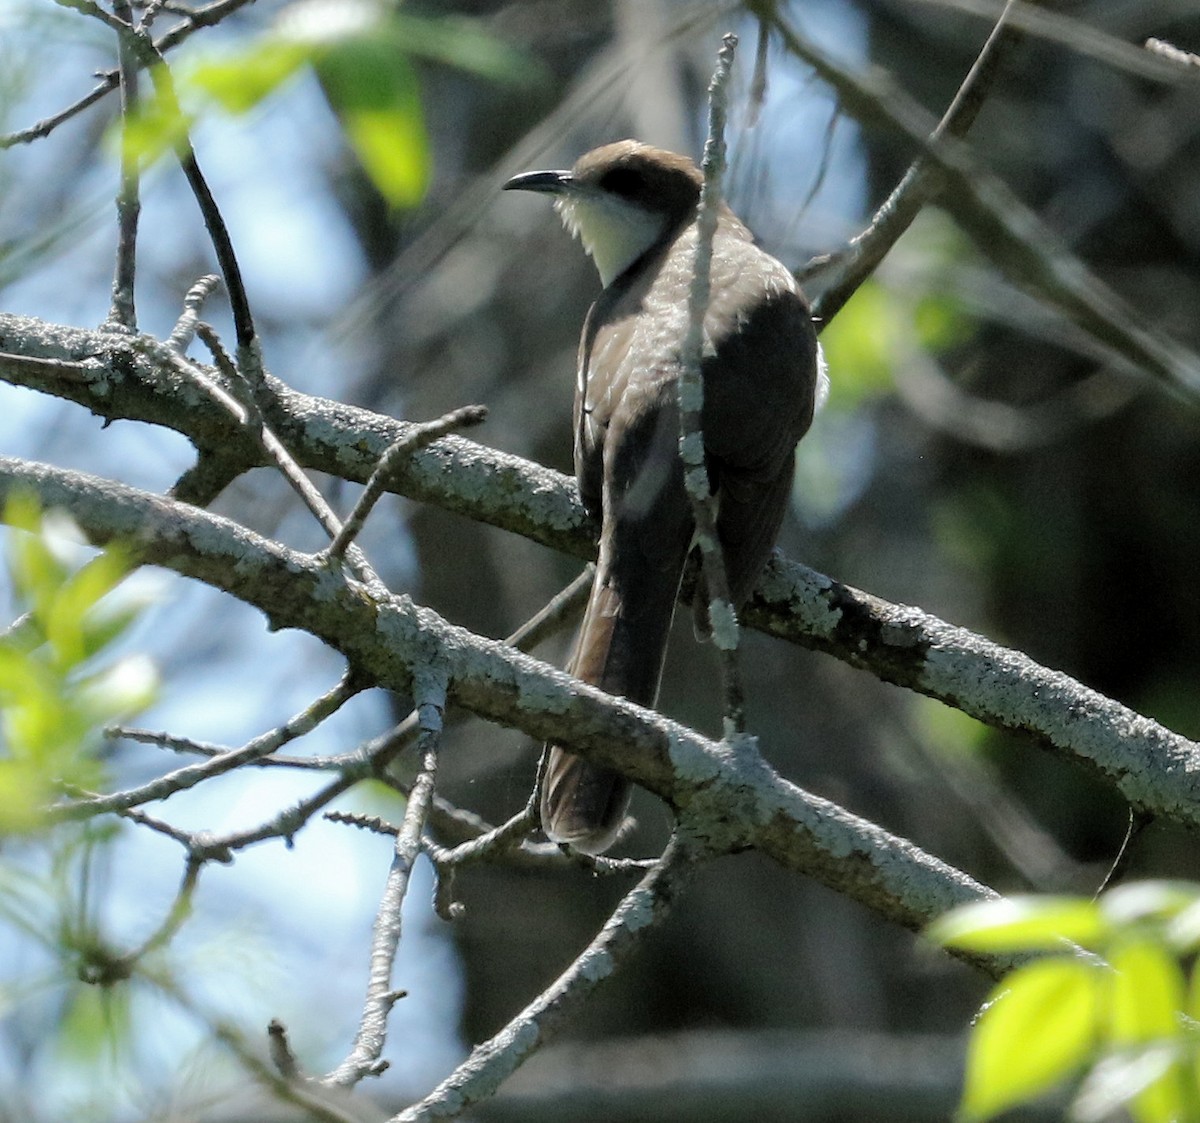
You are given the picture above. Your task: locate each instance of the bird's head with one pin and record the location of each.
(621, 200)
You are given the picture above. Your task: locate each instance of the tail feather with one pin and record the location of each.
(621, 647)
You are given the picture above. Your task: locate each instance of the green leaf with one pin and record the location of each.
(1147, 993)
(1021, 924)
(154, 127)
(1139, 1079)
(118, 691)
(67, 617)
(1038, 1029)
(946, 729)
(238, 82)
(466, 45)
(941, 322)
(375, 93)
(1148, 900)
(96, 1020)
(861, 343)
(23, 794)
(1144, 1009)
(34, 568)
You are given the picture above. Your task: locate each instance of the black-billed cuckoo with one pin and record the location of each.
(634, 208)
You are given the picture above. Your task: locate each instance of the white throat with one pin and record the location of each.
(613, 232)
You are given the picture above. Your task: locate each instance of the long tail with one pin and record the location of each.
(621, 646)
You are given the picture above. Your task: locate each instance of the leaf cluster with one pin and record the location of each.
(59, 684)
(1111, 1003)
(365, 56)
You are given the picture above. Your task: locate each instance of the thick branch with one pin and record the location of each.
(732, 803)
(135, 379)
(121, 378)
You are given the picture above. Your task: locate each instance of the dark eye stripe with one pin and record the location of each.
(625, 182)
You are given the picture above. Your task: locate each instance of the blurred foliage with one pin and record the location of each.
(1114, 996)
(945, 729)
(364, 55)
(59, 684)
(908, 308)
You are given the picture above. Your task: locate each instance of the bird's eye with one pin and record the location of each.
(622, 181)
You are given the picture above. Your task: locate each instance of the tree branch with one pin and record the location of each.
(731, 802)
(119, 377)
(642, 909)
(1003, 228)
(364, 1058)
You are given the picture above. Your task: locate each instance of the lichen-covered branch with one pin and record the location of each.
(118, 377)
(730, 802)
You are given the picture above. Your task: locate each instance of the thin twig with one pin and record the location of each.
(757, 95)
(177, 914)
(372, 823)
(1006, 230)
(560, 610)
(284, 824)
(722, 615)
(641, 910)
(486, 845)
(317, 1103)
(68, 370)
(195, 843)
(123, 313)
(184, 331)
(280, 1049)
(191, 775)
(218, 232)
(365, 1056)
(922, 181)
(203, 17)
(412, 441)
(237, 397)
(91, 8)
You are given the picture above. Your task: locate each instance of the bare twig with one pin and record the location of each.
(722, 614)
(1170, 51)
(413, 441)
(218, 232)
(758, 83)
(242, 404)
(559, 611)
(207, 16)
(1006, 230)
(123, 313)
(365, 1057)
(184, 331)
(68, 370)
(284, 824)
(170, 741)
(922, 181)
(625, 932)
(47, 125)
(91, 8)
(316, 1102)
(280, 1049)
(1056, 24)
(487, 844)
(372, 823)
(192, 774)
(177, 914)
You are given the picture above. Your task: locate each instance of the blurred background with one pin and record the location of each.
(972, 460)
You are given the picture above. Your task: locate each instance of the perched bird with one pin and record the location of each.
(634, 208)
